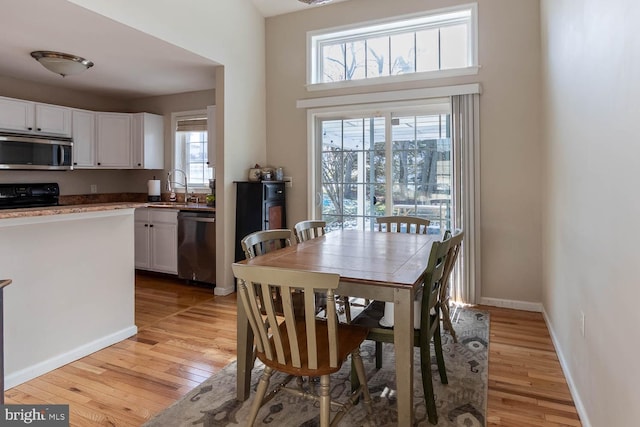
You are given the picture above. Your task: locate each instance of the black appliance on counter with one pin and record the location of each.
(13, 196)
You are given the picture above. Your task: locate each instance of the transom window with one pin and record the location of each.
(415, 45)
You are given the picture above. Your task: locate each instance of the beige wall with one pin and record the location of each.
(231, 33)
(591, 52)
(509, 55)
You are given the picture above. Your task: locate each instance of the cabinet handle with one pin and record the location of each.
(29, 128)
(146, 225)
(39, 129)
(139, 164)
(99, 163)
(75, 163)
(150, 225)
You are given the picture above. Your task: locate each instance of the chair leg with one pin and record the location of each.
(446, 321)
(362, 378)
(325, 401)
(263, 384)
(347, 308)
(437, 346)
(427, 385)
(378, 355)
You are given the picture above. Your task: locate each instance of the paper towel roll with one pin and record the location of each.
(153, 186)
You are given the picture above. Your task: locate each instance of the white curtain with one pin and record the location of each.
(465, 132)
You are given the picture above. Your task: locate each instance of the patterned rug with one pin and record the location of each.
(462, 402)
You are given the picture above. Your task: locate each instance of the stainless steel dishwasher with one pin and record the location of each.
(197, 246)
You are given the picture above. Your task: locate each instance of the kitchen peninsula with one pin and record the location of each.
(73, 284)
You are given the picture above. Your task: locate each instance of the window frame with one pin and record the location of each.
(175, 164)
(366, 30)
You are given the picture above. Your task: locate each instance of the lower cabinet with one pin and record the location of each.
(156, 240)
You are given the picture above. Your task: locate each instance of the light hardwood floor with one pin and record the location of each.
(186, 334)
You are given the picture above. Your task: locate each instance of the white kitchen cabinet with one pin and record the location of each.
(156, 240)
(147, 142)
(83, 130)
(25, 116)
(113, 140)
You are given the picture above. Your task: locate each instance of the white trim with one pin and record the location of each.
(370, 27)
(389, 96)
(48, 365)
(515, 304)
(401, 78)
(582, 412)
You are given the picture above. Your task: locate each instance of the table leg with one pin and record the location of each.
(245, 354)
(403, 342)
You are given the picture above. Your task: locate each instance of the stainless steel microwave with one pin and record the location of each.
(26, 152)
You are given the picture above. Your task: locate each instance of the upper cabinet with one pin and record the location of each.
(25, 116)
(147, 141)
(84, 138)
(113, 140)
(101, 140)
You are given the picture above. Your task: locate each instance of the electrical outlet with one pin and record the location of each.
(288, 181)
(582, 323)
(94, 188)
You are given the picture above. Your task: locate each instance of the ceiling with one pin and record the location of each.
(280, 7)
(129, 64)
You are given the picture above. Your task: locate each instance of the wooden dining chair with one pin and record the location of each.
(402, 224)
(429, 324)
(309, 229)
(300, 346)
(452, 257)
(264, 241)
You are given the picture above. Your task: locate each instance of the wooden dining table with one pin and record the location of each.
(373, 265)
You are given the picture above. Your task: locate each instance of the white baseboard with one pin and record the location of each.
(582, 413)
(223, 291)
(507, 303)
(29, 373)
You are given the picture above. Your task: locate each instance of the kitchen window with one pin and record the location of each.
(440, 43)
(191, 147)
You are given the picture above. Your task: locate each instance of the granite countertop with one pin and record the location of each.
(67, 209)
(96, 207)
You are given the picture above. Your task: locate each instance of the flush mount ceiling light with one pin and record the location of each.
(312, 2)
(61, 63)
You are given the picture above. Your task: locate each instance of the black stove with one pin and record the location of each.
(13, 196)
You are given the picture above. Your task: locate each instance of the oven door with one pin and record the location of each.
(35, 153)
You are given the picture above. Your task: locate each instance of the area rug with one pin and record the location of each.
(462, 402)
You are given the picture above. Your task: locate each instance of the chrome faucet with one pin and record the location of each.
(185, 184)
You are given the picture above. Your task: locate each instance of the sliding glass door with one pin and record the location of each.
(396, 162)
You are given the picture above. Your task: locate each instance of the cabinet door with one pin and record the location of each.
(113, 140)
(164, 241)
(274, 215)
(84, 138)
(141, 236)
(53, 119)
(147, 142)
(16, 115)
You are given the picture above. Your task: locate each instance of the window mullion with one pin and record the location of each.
(388, 164)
